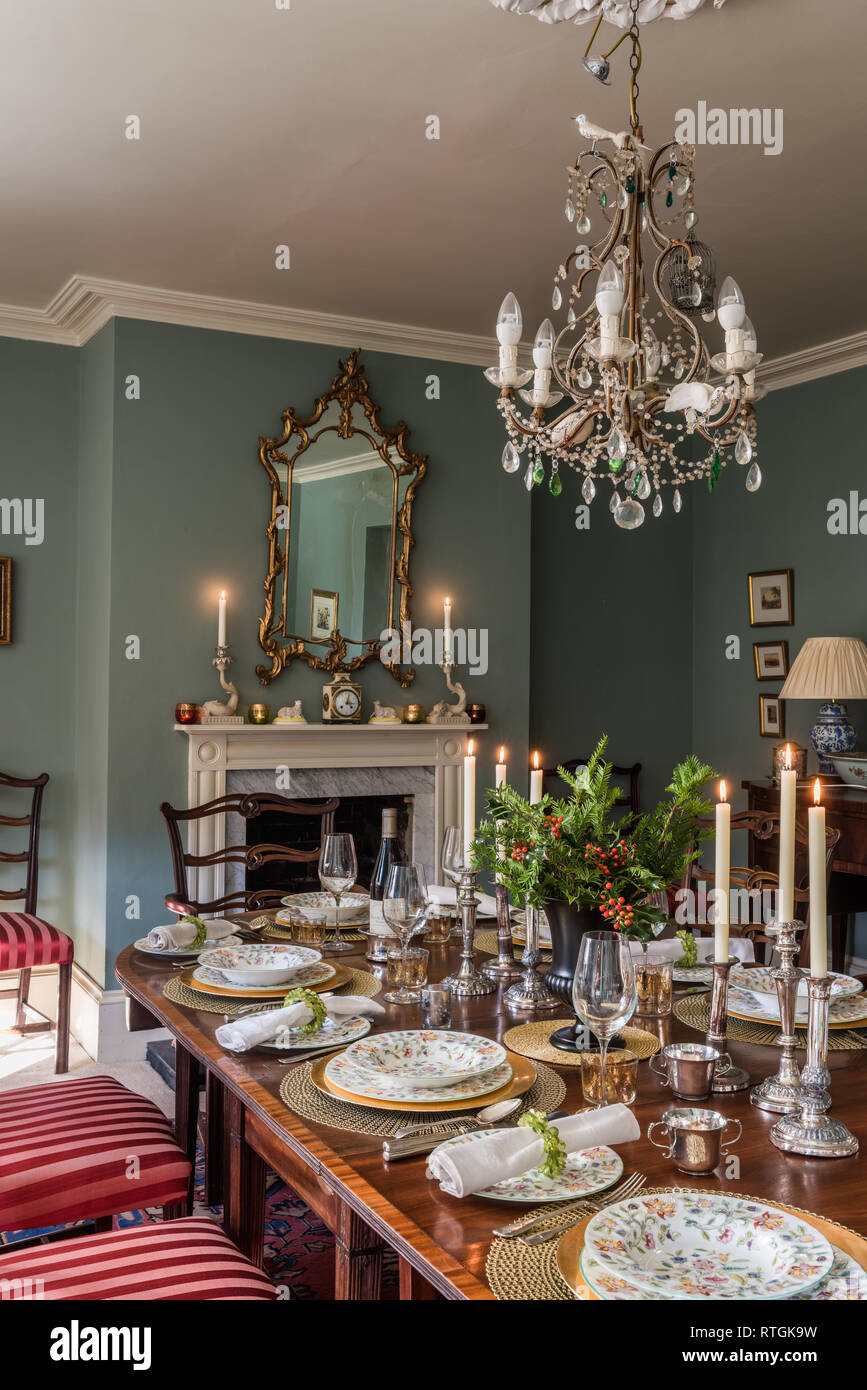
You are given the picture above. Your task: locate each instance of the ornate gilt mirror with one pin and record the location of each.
(339, 532)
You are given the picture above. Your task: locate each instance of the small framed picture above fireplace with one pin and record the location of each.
(323, 613)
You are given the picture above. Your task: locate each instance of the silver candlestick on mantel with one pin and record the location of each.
(503, 969)
(531, 992)
(468, 981)
(782, 1092)
(218, 711)
(811, 1131)
(726, 1077)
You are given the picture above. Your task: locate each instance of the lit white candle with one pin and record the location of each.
(447, 631)
(818, 906)
(722, 868)
(788, 791)
(221, 621)
(535, 781)
(500, 770)
(469, 799)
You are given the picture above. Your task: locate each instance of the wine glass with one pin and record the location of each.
(454, 860)
(603, 990)
(338, 870)
(404, 907)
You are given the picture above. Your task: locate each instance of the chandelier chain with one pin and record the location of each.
(634, 65)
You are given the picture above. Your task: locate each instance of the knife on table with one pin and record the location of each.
(426, 1143)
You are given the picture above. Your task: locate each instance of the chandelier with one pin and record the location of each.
(626, 392)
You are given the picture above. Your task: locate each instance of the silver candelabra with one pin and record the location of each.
(782, 1092)
(811, 1131)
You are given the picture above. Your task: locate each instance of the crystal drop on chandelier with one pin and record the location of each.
(615, 501)
(677, 500)
(556, 298)
(643, 488)
(623, 199)
(588, 490)
(616, 446)
(511, 458)
(528, 478)
(695, 293)
(657, 505)
(582, 226)
(683, 186)
(570, 210)
(743, 449)
(571, 317)
(754, 478)
(629, 515)
(678, 369)
(690, 219)
(585, 380)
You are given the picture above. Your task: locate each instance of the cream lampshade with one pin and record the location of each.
(830, 669)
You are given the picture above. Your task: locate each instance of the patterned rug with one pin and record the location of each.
(299, 1250)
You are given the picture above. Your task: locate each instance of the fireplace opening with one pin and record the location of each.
(359, 816)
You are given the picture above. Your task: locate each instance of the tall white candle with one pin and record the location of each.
(788, 791)
(500, 770)
(535, 781)
(722, 868)
(221, 621)
(818, 906)
(447, 630)
(469, 799)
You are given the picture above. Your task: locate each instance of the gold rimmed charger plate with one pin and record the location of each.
(340, 977)
(768, 1022)
(570, 1245)
(523, 1076)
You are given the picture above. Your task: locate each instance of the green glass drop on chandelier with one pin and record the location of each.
(538, 471)
(555, 484)
(715, 470)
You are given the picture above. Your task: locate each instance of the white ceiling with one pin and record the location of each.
(307, 127)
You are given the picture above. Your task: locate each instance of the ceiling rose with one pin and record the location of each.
(613, 11)
(626, 392)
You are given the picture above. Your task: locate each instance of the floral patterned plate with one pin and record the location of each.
(846, 1281)
(183, 952)
(342, 1072)
(426, 1057)
(846, 1011)
(333, 1032)
(693, 974)
(714, 1245)
(759, 979)
(354, 910)
(307, 975)
(586, 1171)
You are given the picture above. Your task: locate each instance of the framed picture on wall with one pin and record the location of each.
(772, 716)
(771, 600)
(772, 660)
(323, 613)
(5, 599)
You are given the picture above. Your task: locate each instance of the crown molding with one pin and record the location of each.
(84, 305)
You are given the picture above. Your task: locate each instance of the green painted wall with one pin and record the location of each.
(38, 454)
(189, 506)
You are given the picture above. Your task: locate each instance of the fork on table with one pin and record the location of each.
(522, 1229)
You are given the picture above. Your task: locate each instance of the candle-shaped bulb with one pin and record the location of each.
(731, 310)
(751, 341)
(722, 791)
(788, 757)
(543, 347)
(509, 322)
(817, 793)
(609, 289)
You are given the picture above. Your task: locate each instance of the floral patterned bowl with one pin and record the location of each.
(256, 964)
(852, 767)
(416, 1057)
(708, 1245)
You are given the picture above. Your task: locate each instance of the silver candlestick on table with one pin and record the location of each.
(503, 969)
(468, 982)
(726, 1077)
(811, 1130)
(782, 1092)
(531, 992)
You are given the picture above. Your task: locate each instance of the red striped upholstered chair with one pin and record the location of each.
(189, 1259)
(27, 940)
(85, 1149)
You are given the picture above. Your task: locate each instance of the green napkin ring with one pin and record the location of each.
(314, 1002)
(554, 1161)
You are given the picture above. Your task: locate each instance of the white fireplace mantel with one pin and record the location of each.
(216, 750)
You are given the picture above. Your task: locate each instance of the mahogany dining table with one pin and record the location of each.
(442, 1242)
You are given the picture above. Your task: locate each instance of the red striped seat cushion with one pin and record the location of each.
(187, 1259)
(26, 940)
(75, 1149)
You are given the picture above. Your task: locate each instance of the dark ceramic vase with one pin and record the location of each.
(568, 924)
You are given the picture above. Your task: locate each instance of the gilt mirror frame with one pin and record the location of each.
(348, 388)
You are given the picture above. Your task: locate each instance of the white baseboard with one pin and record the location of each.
(97, 1015)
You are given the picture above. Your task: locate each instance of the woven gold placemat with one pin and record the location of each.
(694, 1011)
(301, 1096)
(284, 934)
(487, 941)
(530, 1273)
(359, 982)
(531, 1040)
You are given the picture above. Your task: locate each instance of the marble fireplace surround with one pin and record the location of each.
(424, 761)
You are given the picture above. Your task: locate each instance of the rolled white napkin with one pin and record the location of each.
(739, 946)
(488, 1158)
(447, 896)
(657, 950)
(243, 1033)
(179, 934)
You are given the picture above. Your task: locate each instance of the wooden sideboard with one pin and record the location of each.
(846, 811)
